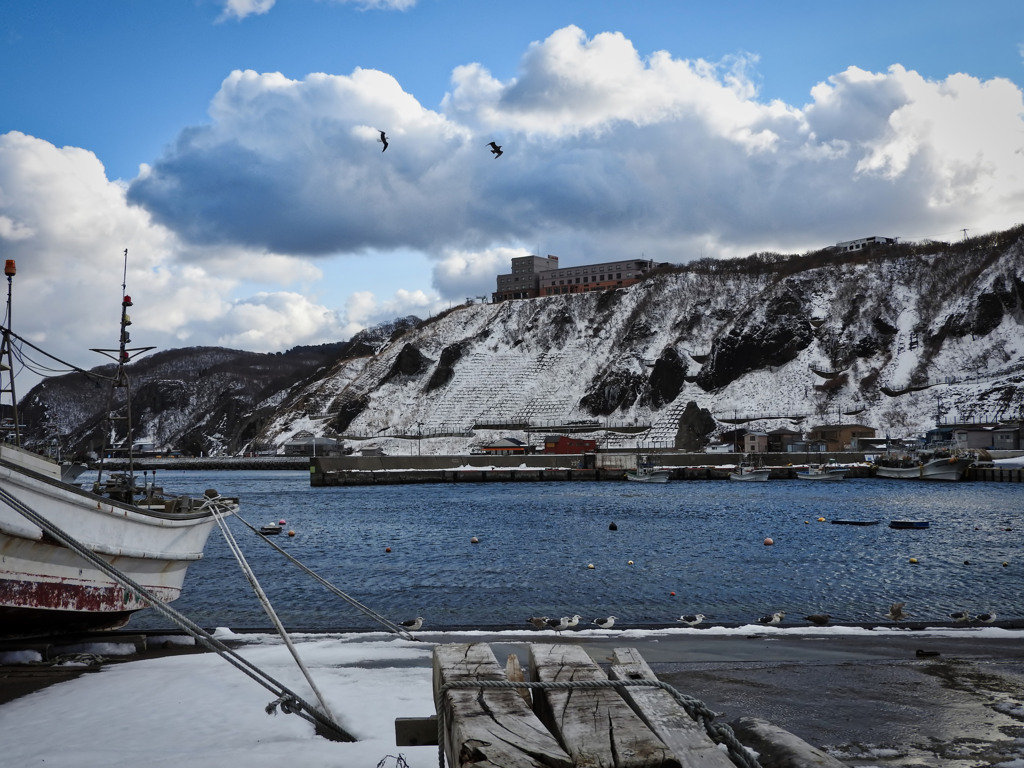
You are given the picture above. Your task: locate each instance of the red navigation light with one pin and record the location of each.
(9, 268)
(124, 357)
(127, 301)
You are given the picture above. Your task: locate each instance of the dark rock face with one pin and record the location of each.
(347, 413)
(445, 369)
(619, 389)
(667, 378)
(694, 427)
(883, 327)
(409, 362)
(757, 343)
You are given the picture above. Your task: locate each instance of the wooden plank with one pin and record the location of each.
(665, 716)
(493, 728)
(594, 725)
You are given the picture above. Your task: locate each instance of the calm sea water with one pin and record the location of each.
(701, 540)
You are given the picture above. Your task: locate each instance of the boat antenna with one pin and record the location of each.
(7, 359)
(122, 355)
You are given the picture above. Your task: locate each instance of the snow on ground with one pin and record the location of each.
(197, 710)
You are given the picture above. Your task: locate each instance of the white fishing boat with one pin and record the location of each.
(647, 472)
(51, 529)
(648, 475)
(937, 463)
(826, 472)
(750, 471)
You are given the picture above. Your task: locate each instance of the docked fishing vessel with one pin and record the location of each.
(50, 531)
(826, 472)
(946, 464)
(647, 472)
(749, 471)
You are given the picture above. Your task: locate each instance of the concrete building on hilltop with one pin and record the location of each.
(533, 276)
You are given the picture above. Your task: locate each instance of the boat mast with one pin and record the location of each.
(121, 381)
(7, 358)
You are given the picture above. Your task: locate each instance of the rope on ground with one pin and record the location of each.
(265, 602)
(217, 506)
(720, 733)
(391, 626)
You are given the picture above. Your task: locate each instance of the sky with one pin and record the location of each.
(230, 146)
(198, 710)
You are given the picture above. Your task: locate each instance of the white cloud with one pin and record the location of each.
(240, 9)
(607, 153)
(67, 226)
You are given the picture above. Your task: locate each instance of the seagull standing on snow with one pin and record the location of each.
(691, 619)
(604, 623)
(820, 619)
(896, 612)
(495, 150)
(985, 618)
(538, 621)
(559, 624)
(775, 618)
(960, 616)
(413, 624)
(574, 620)
(383, 140)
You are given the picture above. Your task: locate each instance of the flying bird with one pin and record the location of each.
(960, 616)
(820, 619)
(691, 619)
(538, 621)
(985, 618)
(604, 623)
(896, 612)
(413, 624)
(495, 150)
(383, 140)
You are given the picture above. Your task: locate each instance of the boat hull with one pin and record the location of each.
(751, 476)
(657, 476)
(945, 469)
(830, 476)
(45, 586)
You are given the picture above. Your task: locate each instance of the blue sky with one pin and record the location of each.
(229, 145)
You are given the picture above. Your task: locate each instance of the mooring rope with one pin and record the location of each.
(391, 626)
(265, 602)
(720, 733)
(289, 701)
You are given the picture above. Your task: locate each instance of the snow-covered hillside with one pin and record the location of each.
(891, 339)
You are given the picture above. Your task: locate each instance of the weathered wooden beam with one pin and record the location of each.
(778, 748)
(595, 725)
(492, 728)
(665, 716)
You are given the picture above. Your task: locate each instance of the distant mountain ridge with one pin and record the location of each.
(894, 335)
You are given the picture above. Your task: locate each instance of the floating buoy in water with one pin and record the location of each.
(768, 542)
(807, 522)
(671, 594)
(967, 562)
(630, 562)
(1005, 564)
(387, 549)
(590, 566)
(474, 540)
(291, 533)
(281, 521)
(613, 526)
(821, 519)
(913, 560)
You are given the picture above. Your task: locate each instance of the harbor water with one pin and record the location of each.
(551, 549)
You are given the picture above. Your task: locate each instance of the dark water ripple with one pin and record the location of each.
(702, 540)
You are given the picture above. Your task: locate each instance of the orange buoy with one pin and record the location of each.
(768, 542)
(474, 540)
(291, 533)
(671, 594)
(913, 561)
(387, 549)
